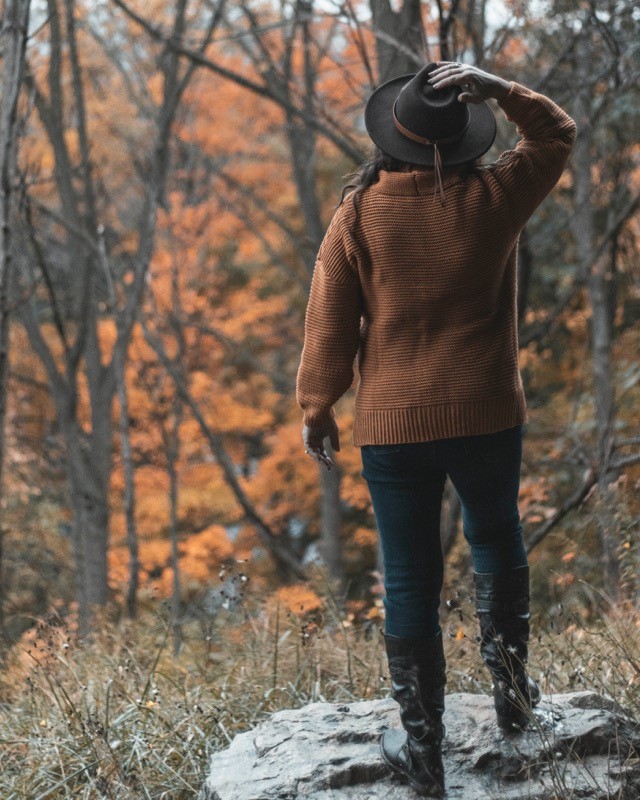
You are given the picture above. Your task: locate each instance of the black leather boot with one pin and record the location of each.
(418, 677)
(502, 606)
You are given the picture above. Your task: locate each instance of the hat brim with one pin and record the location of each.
(378, 119)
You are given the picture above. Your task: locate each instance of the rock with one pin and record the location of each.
(582, 745)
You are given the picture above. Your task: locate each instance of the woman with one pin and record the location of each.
(417, 278)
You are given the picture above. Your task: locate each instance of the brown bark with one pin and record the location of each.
(15, 25)
(400, 38)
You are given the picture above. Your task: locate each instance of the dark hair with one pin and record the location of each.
(367, 173)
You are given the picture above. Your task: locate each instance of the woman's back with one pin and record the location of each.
(425, 294)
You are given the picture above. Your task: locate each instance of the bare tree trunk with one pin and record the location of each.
(446, 25)
(129, 489)
(15, 25)
(90, 527)
(612, 282)
(173, 452)
(303, 139)
(119, 362)
(89, 454)
(129, 486)
(611, 243)
(303, 148)
(331, 525)
(451, 519)
(173, 456)
(476, 25)
(584, 231)
(402, 30)
(595, 268)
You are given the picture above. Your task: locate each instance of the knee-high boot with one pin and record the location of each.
(418, 676)
(502, 606)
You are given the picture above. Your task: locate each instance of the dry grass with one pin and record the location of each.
(122, 717)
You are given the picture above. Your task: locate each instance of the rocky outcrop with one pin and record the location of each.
(582, 745)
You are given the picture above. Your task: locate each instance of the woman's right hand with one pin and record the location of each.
(478, 84)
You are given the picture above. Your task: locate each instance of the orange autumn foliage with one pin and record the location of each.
(298, 599)
(201, 555)
(226, 292)
(365, 537)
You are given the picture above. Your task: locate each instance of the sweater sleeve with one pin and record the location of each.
(529, 172)
(332, 328)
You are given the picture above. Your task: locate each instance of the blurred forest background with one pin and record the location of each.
(168, 169)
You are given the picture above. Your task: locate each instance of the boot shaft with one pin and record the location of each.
(418, 676)
(417, 668)
(502, 606)
(422, 655)
(507, 590)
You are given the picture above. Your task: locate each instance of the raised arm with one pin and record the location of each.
(529, 172)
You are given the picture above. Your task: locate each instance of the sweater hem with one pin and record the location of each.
(427, 422)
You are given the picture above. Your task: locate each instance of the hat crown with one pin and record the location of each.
(431, 113)
(424, 116)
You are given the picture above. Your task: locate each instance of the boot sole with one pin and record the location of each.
(514, 728)
(510, 725)
(426, 791)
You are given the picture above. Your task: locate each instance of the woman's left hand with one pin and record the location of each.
(313, 437)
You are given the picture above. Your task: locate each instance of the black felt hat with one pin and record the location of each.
(413, 122)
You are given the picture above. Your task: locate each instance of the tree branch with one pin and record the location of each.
(589, 480)
(625, 461)
(285, 560)
(261, 90)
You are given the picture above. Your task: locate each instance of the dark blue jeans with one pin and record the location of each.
(406, 483)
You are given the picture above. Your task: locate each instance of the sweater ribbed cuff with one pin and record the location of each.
(318, 419)
(514, 96)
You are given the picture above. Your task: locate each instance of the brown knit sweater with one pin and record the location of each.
(422, 299)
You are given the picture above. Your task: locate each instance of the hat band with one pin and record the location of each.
(423, 140)
(435, 142)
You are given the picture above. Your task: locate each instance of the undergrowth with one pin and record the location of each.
(121, 716)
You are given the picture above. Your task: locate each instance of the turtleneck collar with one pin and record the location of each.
(412, 183)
